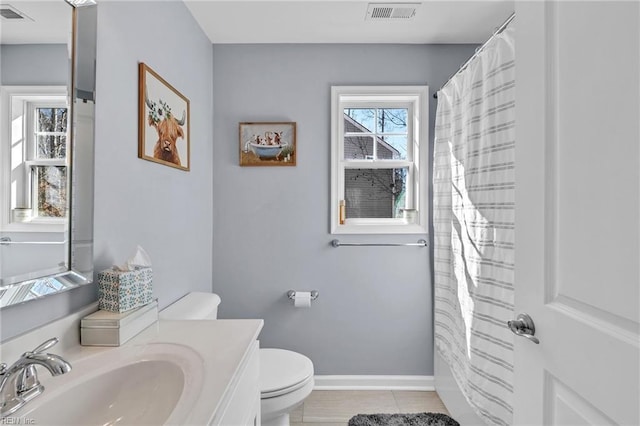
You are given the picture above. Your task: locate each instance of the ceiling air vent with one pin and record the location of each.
(11, 13)
(391, 11)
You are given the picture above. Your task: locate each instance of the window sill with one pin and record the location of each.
(364, 226)
(34, 226)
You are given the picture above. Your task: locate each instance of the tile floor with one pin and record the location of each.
(335, 408)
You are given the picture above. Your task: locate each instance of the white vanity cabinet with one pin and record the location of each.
(241, 402)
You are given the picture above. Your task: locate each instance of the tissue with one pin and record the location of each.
(140, 259)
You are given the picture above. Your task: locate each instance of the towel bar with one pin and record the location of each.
(420, 243)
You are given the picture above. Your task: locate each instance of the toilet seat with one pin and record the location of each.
(282, 372)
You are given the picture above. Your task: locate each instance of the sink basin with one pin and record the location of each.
(151, 384)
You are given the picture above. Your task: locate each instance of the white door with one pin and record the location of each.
(578, 215)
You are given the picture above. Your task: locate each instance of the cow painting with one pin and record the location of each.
(163, 121)
(169, 130)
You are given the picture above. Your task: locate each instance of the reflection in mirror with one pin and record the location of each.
(46, 150)
(34, 220)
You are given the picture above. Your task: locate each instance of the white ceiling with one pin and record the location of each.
(334, 21)
(291, 21)
(50, 22)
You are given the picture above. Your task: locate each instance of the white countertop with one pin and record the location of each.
(221, 344)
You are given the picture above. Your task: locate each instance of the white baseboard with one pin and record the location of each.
(421, 383)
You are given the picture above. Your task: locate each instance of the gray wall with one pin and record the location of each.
(166, 210)
(34, 64)
(271, 224)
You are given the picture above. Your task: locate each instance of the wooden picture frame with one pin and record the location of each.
(267, 144)
(163, 135)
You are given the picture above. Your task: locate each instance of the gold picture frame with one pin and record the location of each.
(163, 137)
(268, 143)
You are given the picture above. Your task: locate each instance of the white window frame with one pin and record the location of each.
(31, 97)
(416, 99)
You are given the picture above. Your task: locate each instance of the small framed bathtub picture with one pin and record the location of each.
(268, 144)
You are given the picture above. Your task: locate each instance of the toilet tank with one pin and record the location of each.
(193, 306)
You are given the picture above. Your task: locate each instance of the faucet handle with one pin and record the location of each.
(3, 368)
(45, 345)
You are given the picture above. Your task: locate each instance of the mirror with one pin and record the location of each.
(47, 108)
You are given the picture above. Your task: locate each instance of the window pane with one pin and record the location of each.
(51, 119)
(392, 147)
(392, 120)
(50, 146)
(359, 119)
(358, 148)
(375, 193)
(52, 191)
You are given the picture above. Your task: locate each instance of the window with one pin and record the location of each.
(46, 160)
(379, 159)
(34, 155)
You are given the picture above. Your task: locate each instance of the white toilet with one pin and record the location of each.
(286, 377)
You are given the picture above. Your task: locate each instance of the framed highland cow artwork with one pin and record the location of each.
(268, 144)
(163, 127)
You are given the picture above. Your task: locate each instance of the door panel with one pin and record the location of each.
(578, 215)
(566, 407)
(595, 82)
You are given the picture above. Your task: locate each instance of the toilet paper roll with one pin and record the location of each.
(302, 299)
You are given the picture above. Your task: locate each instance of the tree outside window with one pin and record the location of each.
(48, 169)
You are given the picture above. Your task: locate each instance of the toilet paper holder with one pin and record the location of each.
(291, 294)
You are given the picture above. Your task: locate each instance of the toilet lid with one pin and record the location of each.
(281, 369)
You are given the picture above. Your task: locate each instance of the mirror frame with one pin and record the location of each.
(80, 159)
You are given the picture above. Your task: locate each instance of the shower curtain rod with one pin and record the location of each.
(477, 52)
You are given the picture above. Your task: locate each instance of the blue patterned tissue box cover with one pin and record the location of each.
(121, 291)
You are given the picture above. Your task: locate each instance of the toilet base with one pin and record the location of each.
(282, 420)
(275, 411)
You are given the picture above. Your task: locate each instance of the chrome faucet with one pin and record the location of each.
(19, 383)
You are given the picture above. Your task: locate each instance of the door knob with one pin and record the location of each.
(523, 326)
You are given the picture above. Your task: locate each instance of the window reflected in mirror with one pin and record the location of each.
(35, 182)
(38, 181)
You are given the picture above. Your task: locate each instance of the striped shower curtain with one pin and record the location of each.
(473, 220)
